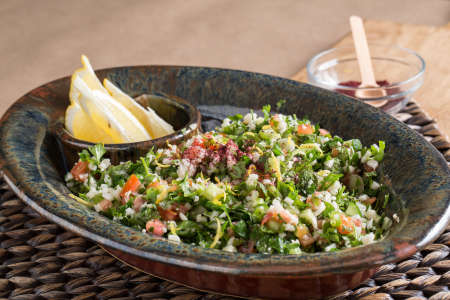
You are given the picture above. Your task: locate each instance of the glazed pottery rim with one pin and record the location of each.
(193, 123)
(213, 260)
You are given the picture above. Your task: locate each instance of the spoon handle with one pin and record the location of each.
(362, 52)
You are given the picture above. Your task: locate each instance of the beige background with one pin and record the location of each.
(42, 40)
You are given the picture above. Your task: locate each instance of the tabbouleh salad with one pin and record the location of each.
(272, 184)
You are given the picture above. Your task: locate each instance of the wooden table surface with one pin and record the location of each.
(433, 44)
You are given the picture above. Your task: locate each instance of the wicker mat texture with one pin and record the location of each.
(40, 260)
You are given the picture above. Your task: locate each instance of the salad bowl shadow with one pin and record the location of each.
(182, 115)
(415, 171)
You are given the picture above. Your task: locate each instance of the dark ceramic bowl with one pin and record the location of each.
(416, 172)
(182, 115)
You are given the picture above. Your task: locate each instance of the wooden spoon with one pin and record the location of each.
(369, 86)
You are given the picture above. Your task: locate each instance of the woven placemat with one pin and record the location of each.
(40, 260)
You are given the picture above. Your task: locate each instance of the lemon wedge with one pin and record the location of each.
(104, 113)
(160, 127)
(109, 115)
(82, 127)
(87, 74)
(153, 123)
(110, 118)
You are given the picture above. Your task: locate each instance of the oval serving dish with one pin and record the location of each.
(416, 172)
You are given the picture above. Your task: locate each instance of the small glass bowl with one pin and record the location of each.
(399, 71)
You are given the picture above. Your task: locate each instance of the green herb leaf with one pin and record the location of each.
(236, 117)
(238, 170)
(378, 154)
(277, 150)
(329, 209)
(97, 151)
(280, 104)
(329, 180)
(285, 188)
(266, 112)
(356, 143)
(84, 155)
(352, 209)
(240, 228)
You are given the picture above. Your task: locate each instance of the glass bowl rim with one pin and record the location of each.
(343, 87)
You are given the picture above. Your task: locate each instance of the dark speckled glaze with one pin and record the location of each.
(416, 172)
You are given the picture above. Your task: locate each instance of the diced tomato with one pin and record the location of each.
(156, 227)
(80, 168)
(137, 204)
(323, 131)
(346, 225)
(167, 214)
(305, 129)
(279, 216)
(154, 184)
(105, 205)
(265, 176)
(357, 222)
(172, 188)
(266, 218)
(208, 136)
(274, 121)
(284, 216)
(198, 142)
(172, 213)
(371, 200)
(131, 185)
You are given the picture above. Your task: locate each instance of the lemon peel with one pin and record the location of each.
(82, 201)
(275, 165)
(163, 193)
(218, 234)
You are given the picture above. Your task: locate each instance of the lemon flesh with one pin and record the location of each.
(153, 123)
(159, 126)
(83, 128)
(109, 115)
